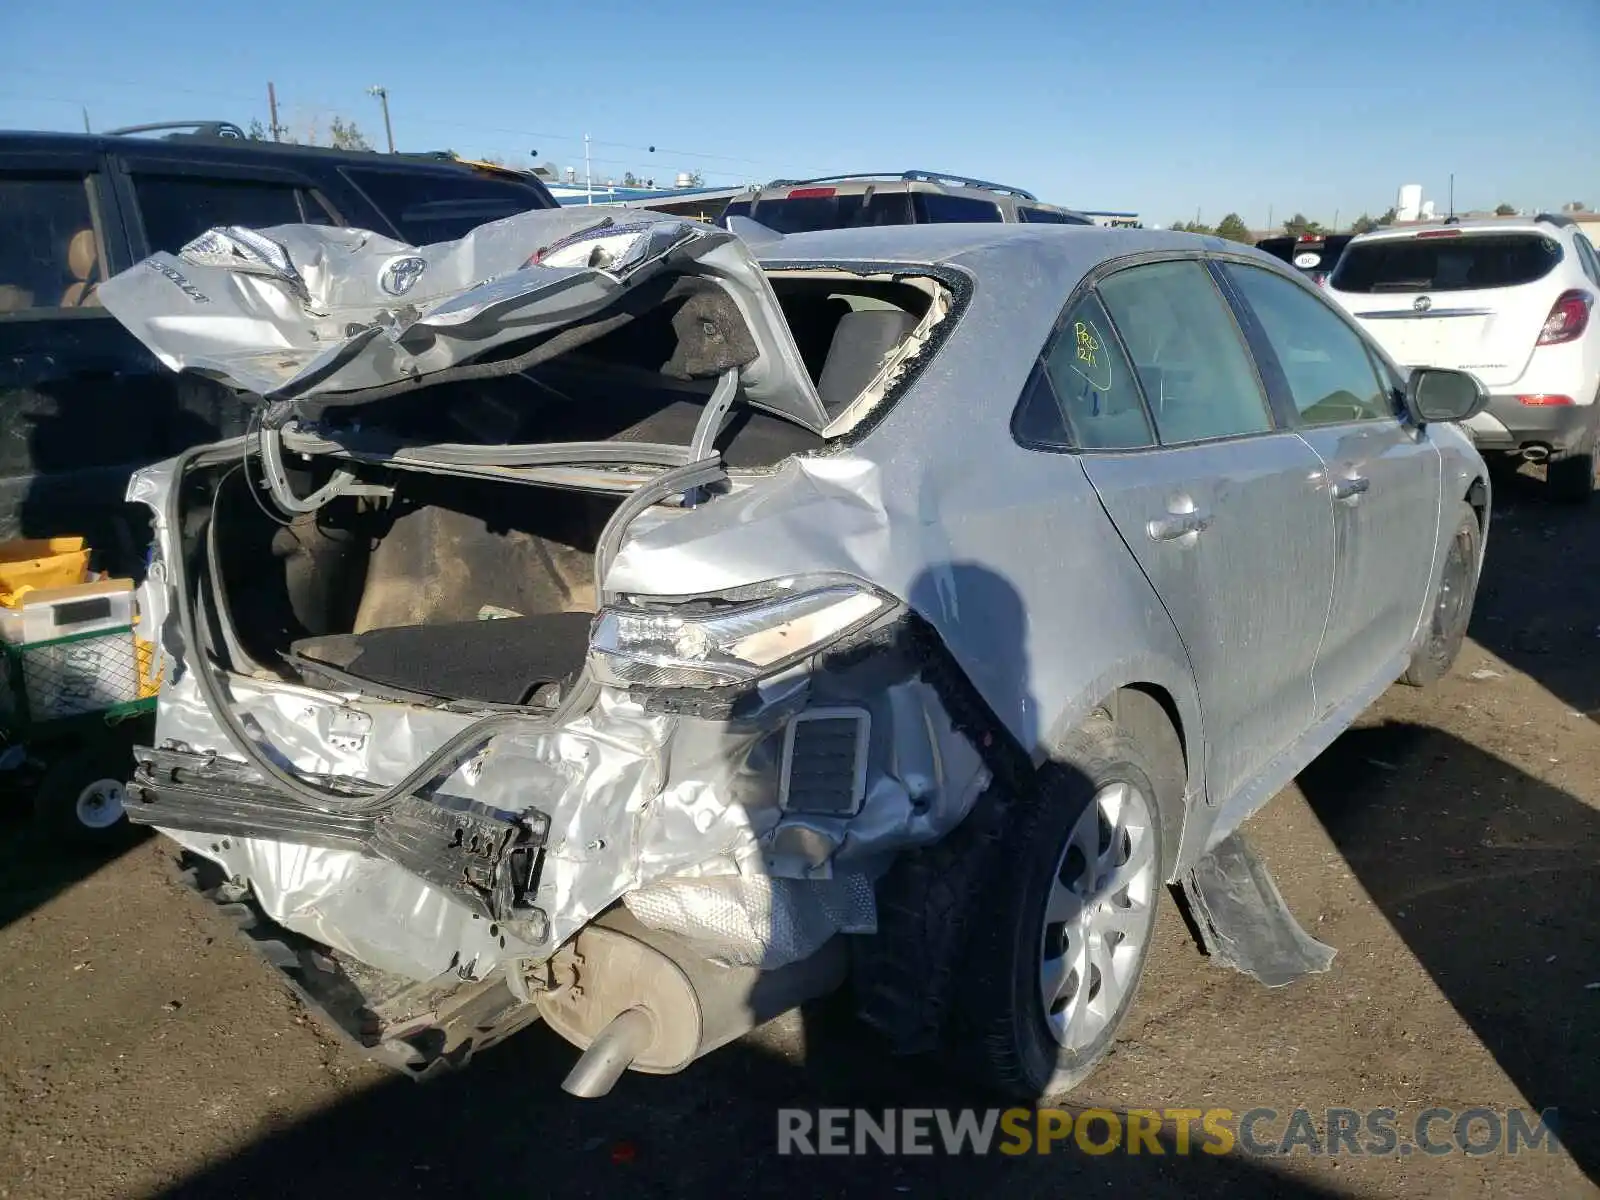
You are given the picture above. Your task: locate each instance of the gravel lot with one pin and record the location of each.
(1449, 847)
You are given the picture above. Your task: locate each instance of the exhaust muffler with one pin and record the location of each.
(640, 999)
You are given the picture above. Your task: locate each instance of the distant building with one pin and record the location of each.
(1114, 220)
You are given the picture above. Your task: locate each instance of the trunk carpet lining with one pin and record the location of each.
(503, 661)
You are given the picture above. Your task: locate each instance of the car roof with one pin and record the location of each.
(1551, 228)
(236, 149)
(939, 243)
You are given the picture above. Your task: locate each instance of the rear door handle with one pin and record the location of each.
(1349, 489)
(1176, 525)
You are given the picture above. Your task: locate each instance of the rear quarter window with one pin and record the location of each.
(936, 208)
(851, 210)
(1467, 262)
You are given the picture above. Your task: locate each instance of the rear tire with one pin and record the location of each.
(1452, 603)
(1570, 473)
(1061, 930)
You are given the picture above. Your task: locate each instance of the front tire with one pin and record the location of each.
(1062, 929)
(1452, 604)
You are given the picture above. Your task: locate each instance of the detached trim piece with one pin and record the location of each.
(487, 859)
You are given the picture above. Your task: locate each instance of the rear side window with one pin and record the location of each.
(1330, 374)
(936, 208)
(1190, 357)
(1449, 263)
(736, 208)
(1591, 261)
(1084, 396)
(176, 209)
(439, 206)
(829, 210)
(50, 255)
(1044, 216)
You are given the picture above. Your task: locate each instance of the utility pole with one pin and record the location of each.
(272, 110)
(86, 128)
(588, 177)
(1270, 225)
(1336, 220)
(382, 93)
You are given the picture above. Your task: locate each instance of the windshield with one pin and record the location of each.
(1455, 262)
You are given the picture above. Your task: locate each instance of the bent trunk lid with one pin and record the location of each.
(304, 316)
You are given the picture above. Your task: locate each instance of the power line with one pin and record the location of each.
(254, 101)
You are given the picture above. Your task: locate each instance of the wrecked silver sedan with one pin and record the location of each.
(645, 628)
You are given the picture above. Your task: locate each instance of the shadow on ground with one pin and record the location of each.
(1492, 878)
(1537, 547)
(503, 1128)
(35, 868)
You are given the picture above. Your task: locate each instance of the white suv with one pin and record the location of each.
(1508, 300)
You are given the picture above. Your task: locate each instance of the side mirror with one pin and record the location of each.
(1439, 394)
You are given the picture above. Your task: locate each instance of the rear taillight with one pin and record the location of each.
(1439, 233)
(1568, 318)
(1545, 401)
(811, 193)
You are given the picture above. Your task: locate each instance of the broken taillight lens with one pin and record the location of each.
(1568, 318)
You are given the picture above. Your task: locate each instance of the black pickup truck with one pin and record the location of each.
(82, 403)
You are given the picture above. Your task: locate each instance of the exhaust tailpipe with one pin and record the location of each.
(610, 1054)
(1536, 452)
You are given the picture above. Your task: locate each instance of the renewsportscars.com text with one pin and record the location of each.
(1260, 1132)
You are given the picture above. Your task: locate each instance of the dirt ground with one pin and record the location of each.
(1449, 847)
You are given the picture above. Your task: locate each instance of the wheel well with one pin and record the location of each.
(1169, 706)
(1478, 497)
(1151, 711)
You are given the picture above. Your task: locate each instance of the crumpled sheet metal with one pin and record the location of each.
(635, 800)
(295, 310)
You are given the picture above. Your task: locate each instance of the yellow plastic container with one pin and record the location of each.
(32, 564)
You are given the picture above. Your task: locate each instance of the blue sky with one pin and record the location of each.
(1161, 106)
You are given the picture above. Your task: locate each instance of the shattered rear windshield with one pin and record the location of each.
(1447, 264)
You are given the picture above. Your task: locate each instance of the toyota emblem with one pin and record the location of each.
(1422, 304)
(401, 275)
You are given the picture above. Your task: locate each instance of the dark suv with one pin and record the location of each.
(81, 402)
(908, 198)
(1313, 254)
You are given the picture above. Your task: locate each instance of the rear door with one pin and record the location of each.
(77, 391)
(1381, 477)
(1471, 299)
(172, 199)
(1221, 508)
(169, 199)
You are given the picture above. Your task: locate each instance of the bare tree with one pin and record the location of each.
(344, 135)
(1234, 229)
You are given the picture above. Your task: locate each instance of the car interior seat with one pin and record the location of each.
(861, 341)
(83, 260)
(14, 299)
